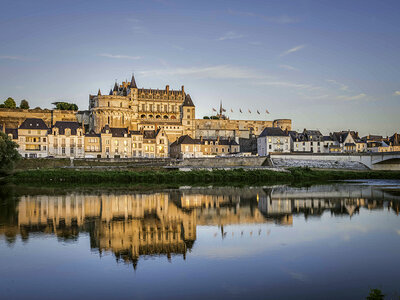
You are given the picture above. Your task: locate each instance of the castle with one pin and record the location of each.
(135, 108)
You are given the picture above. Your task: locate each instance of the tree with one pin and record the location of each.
(375, 294)
(206, 118)
(8, 154)
(10, 103)
(65, 106)
(24, 104)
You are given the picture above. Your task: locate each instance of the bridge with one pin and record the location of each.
(373, 161)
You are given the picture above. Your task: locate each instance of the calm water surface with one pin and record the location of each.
(322, 242)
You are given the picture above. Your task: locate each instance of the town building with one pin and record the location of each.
(309, 141)
(273, 140)
(32, 138)
(93, 145)
(66, 139)
(185, 147)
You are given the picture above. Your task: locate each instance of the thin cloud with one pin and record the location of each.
(230, 35)
(397, 93)
(351, 98)
(19, 58)
(288, 67)
(341, 86)
(215, 72)
(289, 84)
(315, 97)
(282, 19)
(119, 56)
(292, 50)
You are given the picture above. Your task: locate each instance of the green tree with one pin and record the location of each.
(206, 118)
(8, 154)
(10, 103)
(375, 294)
(65, 106)
(24, 104)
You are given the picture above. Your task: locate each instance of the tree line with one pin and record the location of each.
(24, 104)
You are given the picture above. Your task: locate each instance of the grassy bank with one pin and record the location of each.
(193, 177)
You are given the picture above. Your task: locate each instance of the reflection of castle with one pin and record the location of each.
(131, 225)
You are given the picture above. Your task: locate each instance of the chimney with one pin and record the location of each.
(167, 89)
(183, 89)
(201, 138)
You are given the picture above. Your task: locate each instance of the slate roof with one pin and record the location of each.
(62, 125)
(135, 132)
(149, 134)
(92, 134)
(33, 123)
(188, 101)
(119, 132)
(313, 135)
(327, 138)
(133, 82)
(13, 131)
(273, 131)
(185, 140)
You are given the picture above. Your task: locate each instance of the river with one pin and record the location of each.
(333, 241)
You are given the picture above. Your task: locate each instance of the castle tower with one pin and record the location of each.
(188, 116)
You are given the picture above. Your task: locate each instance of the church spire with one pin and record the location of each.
(99, 93)
(111, 92)
(133, 82)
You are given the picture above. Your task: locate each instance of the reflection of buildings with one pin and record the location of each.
(131, 225)
(314, 201)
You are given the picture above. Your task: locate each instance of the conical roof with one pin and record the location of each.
(133, 82)
(99, 93)
(116, 87)
(188, 101)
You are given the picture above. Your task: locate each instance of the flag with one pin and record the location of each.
(240, 110)
(214, 109)
(267, 111)
(224, 110)
(258, 111)
(231, 110)
(249, 111)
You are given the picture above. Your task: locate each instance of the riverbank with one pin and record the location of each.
(260, 176)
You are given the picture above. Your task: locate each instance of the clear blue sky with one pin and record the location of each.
(329, 65)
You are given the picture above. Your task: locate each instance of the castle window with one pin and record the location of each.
(173, 117)
(165, 117)
(108, 103)
(143, 116)
(158, 117)
(188, 110)
(120, 105)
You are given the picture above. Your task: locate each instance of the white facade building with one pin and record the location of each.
(273, 140)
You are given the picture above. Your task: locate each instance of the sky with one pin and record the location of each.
(327, 65)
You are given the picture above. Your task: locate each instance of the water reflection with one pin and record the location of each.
(134, 224)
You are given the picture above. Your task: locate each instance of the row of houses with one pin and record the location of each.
(68, 139)
(313, 141)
